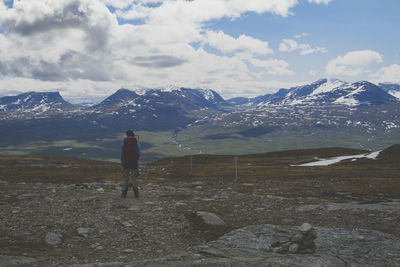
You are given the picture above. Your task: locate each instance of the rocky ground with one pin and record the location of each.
(190, 222)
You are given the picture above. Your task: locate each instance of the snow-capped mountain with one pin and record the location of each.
(174, 117)
(391, 88)
(154, 109)
(186, 99)
(35, 102)
(326, 91)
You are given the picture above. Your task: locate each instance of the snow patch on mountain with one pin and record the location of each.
(328, 87)
(330, 161)
(395, 94)
(347, 100)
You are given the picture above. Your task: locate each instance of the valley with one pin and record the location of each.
(180, 121)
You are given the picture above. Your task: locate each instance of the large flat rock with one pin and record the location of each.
(334, 247)
(249, 246)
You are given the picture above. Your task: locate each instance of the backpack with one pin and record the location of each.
(129, 155)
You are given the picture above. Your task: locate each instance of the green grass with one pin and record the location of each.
(162, 145)
(275, 141)
(275, 168)
(33, 168)
(156, 145)
(272, 170)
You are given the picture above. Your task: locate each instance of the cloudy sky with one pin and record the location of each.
(87, 49)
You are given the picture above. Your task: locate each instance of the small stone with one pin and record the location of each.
(305, 228)
(128, 250)
(360, 237)
(179, 204)
(293, 248)
(98, 248)
(211, 218)
(197, 256)
(53, 239)
(297, 238)
(95, 245)
(84, 231)
(312, 234)
(101, 190)
(307, 244)
(277, 250)
(276, 244)
(126, 224)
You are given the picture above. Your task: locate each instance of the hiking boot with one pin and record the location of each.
(123, 194)
(136, 192)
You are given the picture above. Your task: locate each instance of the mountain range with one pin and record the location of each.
(34, 102)
(186, 121)
(125, 101)
(326, 91)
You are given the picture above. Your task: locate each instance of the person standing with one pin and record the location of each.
(130, 154)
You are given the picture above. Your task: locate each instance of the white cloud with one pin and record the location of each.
(227, 44)
(289, 45)
(353, 63)
(79, 47)
(272, 66)
(388, 74)
(297, 36)
(204, 10)
(306, 49)
(320, 1)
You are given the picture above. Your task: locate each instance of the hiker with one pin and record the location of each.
(130, 153)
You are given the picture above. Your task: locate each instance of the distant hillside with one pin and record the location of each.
(391, 154)
(34, 102)
(175, 121)
(326, 91)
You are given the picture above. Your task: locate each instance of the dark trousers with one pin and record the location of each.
(130, 179)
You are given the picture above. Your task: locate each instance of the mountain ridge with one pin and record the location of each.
(323, 91)
(35, 101)
(181, 121)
